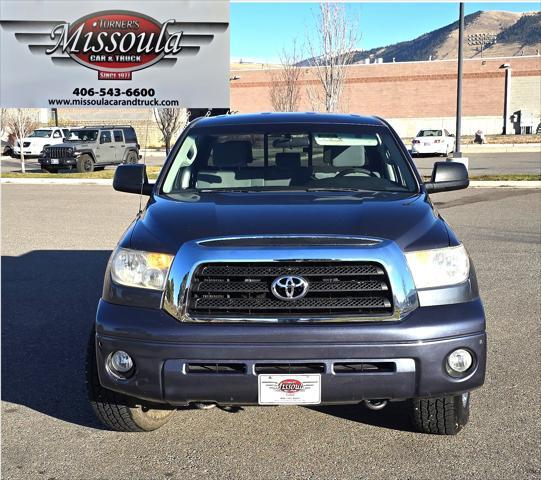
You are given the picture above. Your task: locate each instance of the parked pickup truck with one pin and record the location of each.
(33, 145)
(288, 259)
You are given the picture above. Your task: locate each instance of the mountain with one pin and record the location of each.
(486, 34)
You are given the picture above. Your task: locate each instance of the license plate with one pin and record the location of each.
(426, 144)
(289, 389)
(54, 161)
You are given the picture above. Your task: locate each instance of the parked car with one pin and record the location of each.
(92, 148)
(40, 138)
(433, 142)
(6, 147)
(288, 259)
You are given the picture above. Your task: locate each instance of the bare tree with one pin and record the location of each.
(331, 51)
(170, 121)
(285, 91)
(20, 122)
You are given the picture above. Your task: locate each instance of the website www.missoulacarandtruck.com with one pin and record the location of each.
(114, 102)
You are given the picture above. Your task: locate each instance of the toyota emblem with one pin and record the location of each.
(289, 287)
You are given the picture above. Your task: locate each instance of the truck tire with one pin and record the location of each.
(132, 158)
(441, 415)
(116, 411)
(85, 164)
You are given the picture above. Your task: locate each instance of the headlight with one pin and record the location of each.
(135, 268)
(439, 267)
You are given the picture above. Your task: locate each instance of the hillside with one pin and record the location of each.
(486, 34)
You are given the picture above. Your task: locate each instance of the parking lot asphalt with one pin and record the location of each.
(490, 163)
(479, 163)
(55, 244)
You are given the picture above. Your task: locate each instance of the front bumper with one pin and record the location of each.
(57, 162)
(27, 151)
(417, 345)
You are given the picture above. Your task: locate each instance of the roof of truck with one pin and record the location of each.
(292, 117)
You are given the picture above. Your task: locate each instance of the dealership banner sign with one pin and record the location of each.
(74, 53)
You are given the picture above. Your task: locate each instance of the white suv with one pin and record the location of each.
(40, 138)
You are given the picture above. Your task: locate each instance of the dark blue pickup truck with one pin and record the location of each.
(288, 259)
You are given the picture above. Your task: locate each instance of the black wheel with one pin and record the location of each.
(441, 415)
(85, 164)
(132, 158)
(116, 411)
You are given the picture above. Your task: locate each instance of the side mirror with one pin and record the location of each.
(448, 176)
(132, 179)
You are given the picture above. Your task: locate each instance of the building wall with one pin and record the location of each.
(408, 127)
(412, 95)
(421, 91)
(525, 93)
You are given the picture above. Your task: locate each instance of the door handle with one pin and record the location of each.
(111, 146)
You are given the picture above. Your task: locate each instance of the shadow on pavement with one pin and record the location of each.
(395, 416)
(49, 301)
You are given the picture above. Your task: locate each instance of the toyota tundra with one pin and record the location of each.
(288, 259)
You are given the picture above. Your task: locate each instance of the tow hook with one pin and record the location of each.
(375, 404)
(203, 406)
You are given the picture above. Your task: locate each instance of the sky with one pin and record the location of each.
(259, 31)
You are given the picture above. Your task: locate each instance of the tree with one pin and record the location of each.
(285, 90)
(20, 122)
(170, 121)
(331, 51)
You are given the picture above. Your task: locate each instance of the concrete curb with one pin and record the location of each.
(505, 183)
(58, 181)
(109, 182)
(502, 148)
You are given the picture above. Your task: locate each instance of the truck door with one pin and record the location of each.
(106, 147)
(120, 145)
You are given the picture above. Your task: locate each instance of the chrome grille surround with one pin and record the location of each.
(193, 254)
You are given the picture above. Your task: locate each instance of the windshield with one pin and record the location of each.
(337, 157)
(84, 135)
(41, 133)
(429, 133)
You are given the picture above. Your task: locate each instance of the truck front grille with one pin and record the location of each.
(58, 152)
(334, 289)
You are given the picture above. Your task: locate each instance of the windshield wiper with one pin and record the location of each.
(249, 190)
(335, 189)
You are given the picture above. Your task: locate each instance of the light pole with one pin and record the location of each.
(507, 69)
(457, 153)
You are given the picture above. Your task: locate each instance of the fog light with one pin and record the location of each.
(459, 361)
(121, 362)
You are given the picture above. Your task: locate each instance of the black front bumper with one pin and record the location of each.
(62, 162)
(162, 348)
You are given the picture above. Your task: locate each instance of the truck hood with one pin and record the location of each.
(72, 144)
(167, 222)
(38, 140)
